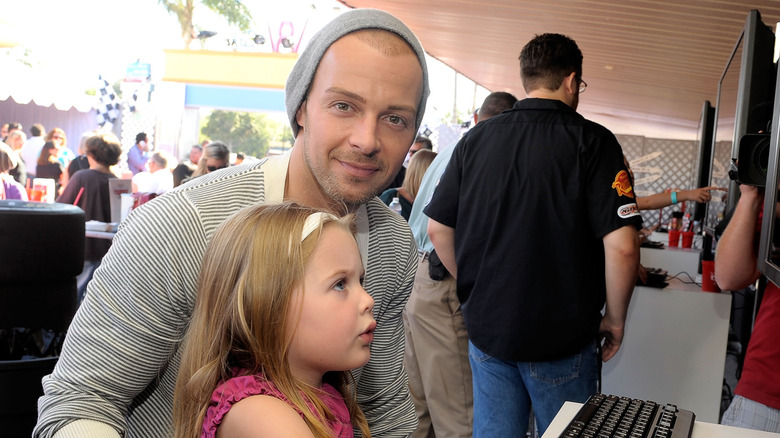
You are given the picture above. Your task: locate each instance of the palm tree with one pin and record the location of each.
(233, 10)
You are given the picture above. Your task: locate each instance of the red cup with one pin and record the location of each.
(674, 237)
(36, 195)
(687, 239)
(708, 283)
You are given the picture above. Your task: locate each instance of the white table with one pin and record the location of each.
(674, 349)
(674, 260)
(99, 234)
(701, 429)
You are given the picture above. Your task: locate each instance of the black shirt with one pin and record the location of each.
(531, 193)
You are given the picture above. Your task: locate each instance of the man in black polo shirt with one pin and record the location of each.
(536, 218)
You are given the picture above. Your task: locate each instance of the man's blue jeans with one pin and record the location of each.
(504, 392)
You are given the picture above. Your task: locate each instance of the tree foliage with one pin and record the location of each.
(234, 11)
(250, 133)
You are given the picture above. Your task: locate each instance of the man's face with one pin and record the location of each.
(3, 131)
(415, 147)
(153, 167)
(359, 119)
(195, 154)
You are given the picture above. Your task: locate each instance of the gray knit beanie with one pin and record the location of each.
(302, 74)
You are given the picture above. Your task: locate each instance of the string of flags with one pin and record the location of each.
(109, 106)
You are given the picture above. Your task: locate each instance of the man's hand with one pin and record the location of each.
(611, 336)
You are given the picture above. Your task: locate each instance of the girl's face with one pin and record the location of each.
(336, 322)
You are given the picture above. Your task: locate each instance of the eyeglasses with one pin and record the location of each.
(413, 151)
(583, 85)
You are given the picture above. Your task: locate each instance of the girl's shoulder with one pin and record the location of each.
(250, 400)
(251, 403)
(263, 416)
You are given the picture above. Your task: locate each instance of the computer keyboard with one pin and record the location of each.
(608, 416)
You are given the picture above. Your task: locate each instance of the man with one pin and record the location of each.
(16, 139)
(535, 217)
(420, 142)
(32, 148)
(756, 403)
(437, 358)
(8, 128)
(158, 179)
(355, 99)
(136, 156)
(185, 168)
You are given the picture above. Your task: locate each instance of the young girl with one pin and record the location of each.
(281, 314)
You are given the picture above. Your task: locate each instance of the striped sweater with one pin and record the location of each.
(120, 359)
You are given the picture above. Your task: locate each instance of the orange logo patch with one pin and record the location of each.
(622, 184)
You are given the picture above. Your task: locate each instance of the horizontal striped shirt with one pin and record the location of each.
(121, 355)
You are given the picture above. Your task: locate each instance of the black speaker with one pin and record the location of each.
(42, 253)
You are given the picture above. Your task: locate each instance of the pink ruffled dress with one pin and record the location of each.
(241, 387)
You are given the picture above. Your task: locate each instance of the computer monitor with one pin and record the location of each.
(745, 83)
(704, 160)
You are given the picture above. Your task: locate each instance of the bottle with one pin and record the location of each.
(686, 222)
(395, 205)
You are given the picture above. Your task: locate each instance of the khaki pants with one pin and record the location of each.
(436, 358)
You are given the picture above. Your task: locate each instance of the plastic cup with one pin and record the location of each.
(687, 239)
(674, 237)
(708, 283)
(36, 195)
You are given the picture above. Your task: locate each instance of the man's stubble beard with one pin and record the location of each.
(330, 184)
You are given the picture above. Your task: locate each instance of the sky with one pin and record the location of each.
(71, 42)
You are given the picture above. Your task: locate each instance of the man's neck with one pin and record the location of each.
(543, 93)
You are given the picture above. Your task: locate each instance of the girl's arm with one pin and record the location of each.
(263, 416)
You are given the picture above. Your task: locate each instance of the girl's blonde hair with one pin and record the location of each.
(251, 267)
(417, 166)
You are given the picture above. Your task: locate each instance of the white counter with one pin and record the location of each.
(674, 349)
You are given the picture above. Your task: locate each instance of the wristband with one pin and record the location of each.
(674, 197)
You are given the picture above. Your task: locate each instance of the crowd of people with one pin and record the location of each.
(82, 179)
(46, 155)
(284, 297)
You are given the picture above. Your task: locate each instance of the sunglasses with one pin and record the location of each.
(213, 168)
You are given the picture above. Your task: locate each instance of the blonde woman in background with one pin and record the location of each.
(216, 155)
(414, 175)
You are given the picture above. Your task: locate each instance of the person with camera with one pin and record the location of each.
(756, 403)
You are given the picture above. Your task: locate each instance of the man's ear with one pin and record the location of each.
(571, 83)
(300, 115)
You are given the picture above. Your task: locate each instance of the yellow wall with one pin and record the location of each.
(243, 69)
